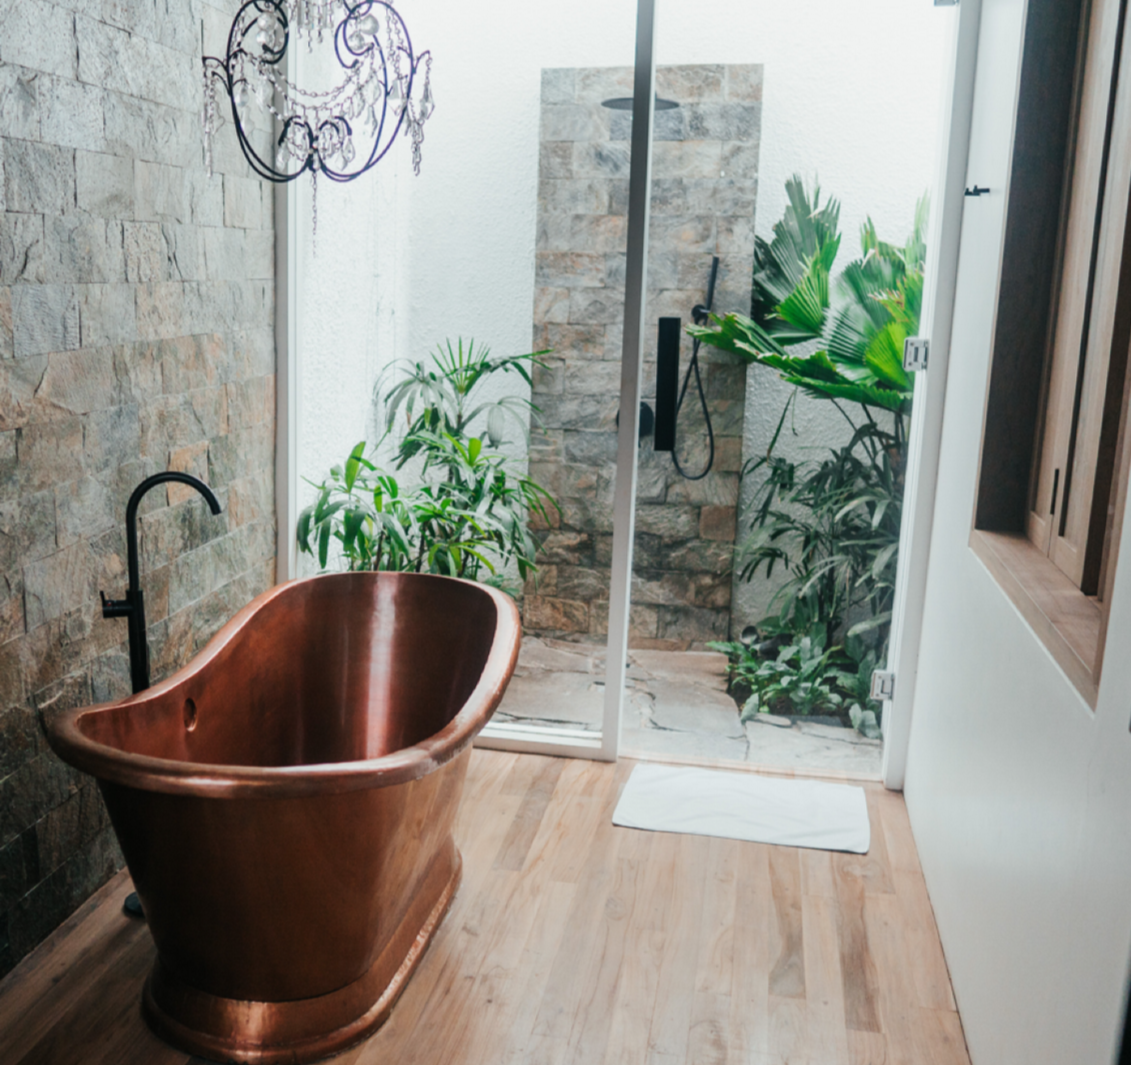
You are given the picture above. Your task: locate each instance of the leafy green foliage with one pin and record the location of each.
(831, 524)
(859, 340)
(797, 680)
(469, 514)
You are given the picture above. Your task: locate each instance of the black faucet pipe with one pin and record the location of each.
(132, 608)
(700, 314)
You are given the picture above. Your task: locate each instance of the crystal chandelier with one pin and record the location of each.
(342, 132)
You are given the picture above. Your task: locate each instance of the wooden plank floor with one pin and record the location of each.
(576, 943)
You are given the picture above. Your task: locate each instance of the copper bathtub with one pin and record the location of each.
(285, 804)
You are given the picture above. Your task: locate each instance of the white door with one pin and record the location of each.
(1019, 793)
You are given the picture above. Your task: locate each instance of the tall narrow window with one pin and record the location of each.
(1075, 456)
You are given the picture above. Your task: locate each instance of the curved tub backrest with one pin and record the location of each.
(339, 668)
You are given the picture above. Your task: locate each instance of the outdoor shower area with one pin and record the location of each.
(515, 235)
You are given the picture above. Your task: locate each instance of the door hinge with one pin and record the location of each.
(883, 684)
(916, 351)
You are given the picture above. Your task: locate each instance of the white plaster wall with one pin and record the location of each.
(851, 90)
(1018, 792)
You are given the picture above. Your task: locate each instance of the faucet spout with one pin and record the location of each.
(133, 606)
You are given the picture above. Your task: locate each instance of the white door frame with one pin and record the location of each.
(925, 433)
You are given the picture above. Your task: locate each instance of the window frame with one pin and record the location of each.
(1072, 414)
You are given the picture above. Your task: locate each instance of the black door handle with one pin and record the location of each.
(667, 383)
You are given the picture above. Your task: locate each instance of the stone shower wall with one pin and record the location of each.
(136, 335)
(705, 180)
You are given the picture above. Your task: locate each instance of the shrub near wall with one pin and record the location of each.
(136, 311)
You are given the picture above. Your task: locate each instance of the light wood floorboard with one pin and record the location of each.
(573, 942)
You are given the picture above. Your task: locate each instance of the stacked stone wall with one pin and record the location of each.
(136, 335)
(704, 189)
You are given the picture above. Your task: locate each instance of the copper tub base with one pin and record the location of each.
(262, 1033)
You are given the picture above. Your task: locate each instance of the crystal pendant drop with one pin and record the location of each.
(348, 152)
(427, 104)
(281, 158)
(368, 25)
(240, 95)
(356, 42)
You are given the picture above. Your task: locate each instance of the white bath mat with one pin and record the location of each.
(710, 802)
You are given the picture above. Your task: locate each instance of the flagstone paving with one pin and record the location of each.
(677, 706)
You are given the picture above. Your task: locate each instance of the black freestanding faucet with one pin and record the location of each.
(133, 606)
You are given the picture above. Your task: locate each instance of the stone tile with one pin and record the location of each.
(27, 530)
(144, 252)
(595, 84)
(603, 159)
(160, 192)
(19, 379)
(744, 82)
(76, 382)
(141, 129)
(717, 489)
(555, 159)
(57, 584)
(693, 623)
(555, 615)
(669, 522)
(81, 248)
(568, 698)
(243, 202)
(38, 178)
(596, 306)
(598, 234)
(107, 313)
(808, 746)
(160, 309)
(192, 362)
(72, 114)
(551, 305)
(7, 339)
(45, 318)
(251, 402)
(19, 101)
(723, 121)
(717, 523)
(579, 411)
(111, 437)
(205, 197)
(104, 184)
(38, 35)
(574, 341)
(591, 378)
(192, 459)
(183, 247)
(559, 85)
(686, 84)
(705, 556)
(694, 159)
(574, 195)
(84, 509)
(574, 122)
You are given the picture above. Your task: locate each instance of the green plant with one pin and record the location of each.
(833, 523)
(799, 679)
(467, 511)
(859, 342)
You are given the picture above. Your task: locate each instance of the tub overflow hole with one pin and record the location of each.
(190, 715)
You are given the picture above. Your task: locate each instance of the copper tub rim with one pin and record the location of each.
(229, 781)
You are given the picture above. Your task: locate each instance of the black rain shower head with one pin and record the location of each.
(624, 103)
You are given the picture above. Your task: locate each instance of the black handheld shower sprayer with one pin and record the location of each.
(668, 403)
